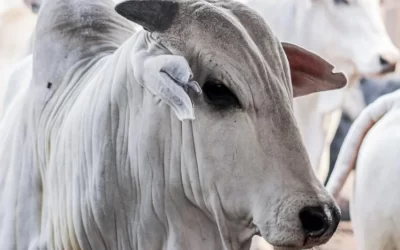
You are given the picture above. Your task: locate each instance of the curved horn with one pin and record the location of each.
(153, 15)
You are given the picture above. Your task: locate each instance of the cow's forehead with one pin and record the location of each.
(238, 40)
(233, 17)
(223, 22)
(231, 29)
(242, 37)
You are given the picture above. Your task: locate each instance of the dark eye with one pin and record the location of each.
(345, 2)
(217, 94)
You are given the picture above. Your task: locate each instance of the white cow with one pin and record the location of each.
(372, 147)
(97, 152)
(350, 34)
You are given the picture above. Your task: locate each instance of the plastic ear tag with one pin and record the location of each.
(170, 77)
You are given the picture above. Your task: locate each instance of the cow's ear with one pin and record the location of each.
(152, 15)
(311, 73)
(170, 78)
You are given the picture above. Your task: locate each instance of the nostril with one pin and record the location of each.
(387, 65)
(383, 61)
(314, 221)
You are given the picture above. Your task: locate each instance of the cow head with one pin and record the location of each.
(352, 33)
(349, 33)
(241, 162)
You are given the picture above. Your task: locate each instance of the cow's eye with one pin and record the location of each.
(345, 2)
(216, 93)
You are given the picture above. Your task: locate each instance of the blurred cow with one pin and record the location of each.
(371, 90)
(350, 34)
(372, 147)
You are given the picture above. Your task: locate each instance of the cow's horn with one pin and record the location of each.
(153, 15)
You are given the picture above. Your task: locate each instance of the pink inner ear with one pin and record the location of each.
(311, 73)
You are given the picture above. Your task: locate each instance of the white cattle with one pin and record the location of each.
(350, 34)
(372, 147)
(97, 152)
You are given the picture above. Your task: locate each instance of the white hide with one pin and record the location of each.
(351, 36)
(372, 148)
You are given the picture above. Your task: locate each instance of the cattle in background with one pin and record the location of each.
(358, 45)
(101, 150)
(372, 148)
(371, 90)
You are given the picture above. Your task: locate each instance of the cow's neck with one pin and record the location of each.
(174, 215)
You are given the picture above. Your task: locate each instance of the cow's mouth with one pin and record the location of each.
(277, 247)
